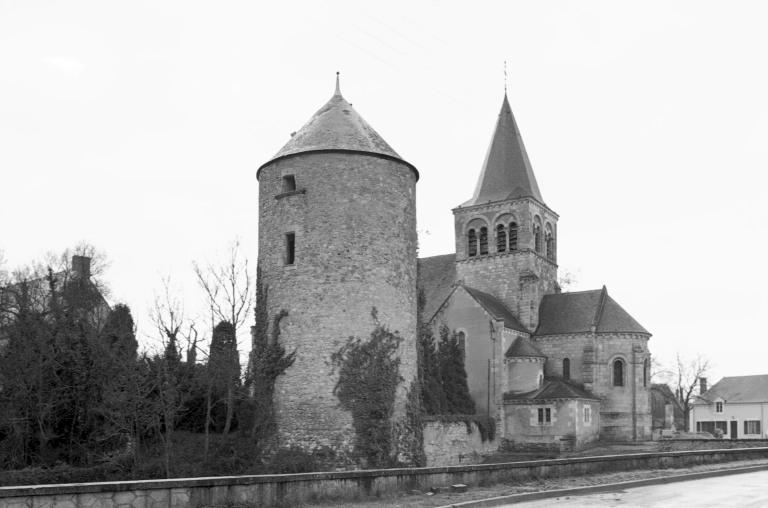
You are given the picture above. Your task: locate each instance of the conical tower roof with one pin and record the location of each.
(507, 172)
(337, 127)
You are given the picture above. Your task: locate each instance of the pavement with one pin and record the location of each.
(740, 490)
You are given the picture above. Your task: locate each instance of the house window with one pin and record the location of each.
(512, 236)
(472, 243)
(566, 369)
(718, 407)
(587, 414)
(483, 241)
(501, 238)
(289, 183)
(461, 339)
(545, 415)
(290, 248)
(751, 426)
(618, 372)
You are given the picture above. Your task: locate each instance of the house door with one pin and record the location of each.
(734, 430)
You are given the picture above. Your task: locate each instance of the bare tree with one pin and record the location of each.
(686, 376)
(229, 294)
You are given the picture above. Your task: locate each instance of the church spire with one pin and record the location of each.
(507, 171)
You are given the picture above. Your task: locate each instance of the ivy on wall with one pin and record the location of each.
(369, 372)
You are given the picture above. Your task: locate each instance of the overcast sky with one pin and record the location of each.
(139, 126)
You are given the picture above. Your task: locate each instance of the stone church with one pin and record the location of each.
(337, 237)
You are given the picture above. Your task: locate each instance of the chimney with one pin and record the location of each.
(702, 385)
(81, 267)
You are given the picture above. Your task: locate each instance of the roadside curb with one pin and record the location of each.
(590, 489)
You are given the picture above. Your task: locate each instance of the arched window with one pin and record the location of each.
(461, 339)
(646, 372)
(541, 379)
(618, 372)
(472, 243)
(549, 241)
(483, 241)
(501, 238)
(537, 234)
(566, 369)
(512, 236)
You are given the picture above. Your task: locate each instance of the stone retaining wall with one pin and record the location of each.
(452, 443)
(710, 444)
(290, 490)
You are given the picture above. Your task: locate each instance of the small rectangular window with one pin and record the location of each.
(545, 415)
(290, 248)
(718, 407)
(289, 183)
(587, 414)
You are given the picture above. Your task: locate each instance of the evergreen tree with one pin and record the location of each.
(453, 374)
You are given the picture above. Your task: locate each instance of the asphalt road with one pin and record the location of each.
(742, 490)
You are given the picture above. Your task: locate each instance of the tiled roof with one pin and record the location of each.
(506, 172)
(739, 389)
(436, 276)
(522, 347)
(553, 388)
(497, 309)
(583, 311)
(337, 127)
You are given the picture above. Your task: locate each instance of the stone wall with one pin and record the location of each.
(451, 443)
(354, 220)
(294, 489)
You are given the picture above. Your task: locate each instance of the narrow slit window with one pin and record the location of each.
(483, 241)
(472, 243)
(618, 373)
(566, 369)
(289, 183)
(513, 236)
(501, 238)
(290, 248)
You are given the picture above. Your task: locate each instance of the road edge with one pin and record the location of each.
(607, 487)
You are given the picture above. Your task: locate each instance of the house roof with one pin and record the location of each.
(337, 127)
(739, 389)
(507, 171)
(552, 388)
(496, 309)
(583, 312)
(436, 276)
(523, 347)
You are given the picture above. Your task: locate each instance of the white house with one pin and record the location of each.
(737, 405)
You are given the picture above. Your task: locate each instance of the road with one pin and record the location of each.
(742, 490)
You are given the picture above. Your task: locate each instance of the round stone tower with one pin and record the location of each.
(337, 238)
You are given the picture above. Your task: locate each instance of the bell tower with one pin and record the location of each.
(506, 237)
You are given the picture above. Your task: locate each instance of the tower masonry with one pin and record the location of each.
(337, 238)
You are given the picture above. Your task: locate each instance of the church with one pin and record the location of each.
(337, 238)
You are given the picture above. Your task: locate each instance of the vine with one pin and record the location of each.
(369, 373)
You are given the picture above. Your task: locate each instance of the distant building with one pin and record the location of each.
(737, 405)
(666, 411)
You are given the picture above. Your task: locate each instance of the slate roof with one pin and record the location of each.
(581, 312)
(738, 389)
(523, 347)
(507, 171)
(436, 276)
(496, 308)
(337, 127)
(552, 388)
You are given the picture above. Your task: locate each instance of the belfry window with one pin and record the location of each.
(501, 238)
(290, 248)
(537, 238)
(618, 373)
(472, 243)
(512, 236)
(483, 241)
(566, 369)
(549, 241)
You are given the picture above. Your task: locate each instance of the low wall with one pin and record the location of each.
(451, 443)
(292, 489)
(710, 444)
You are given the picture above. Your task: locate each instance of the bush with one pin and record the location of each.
(292, 460)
